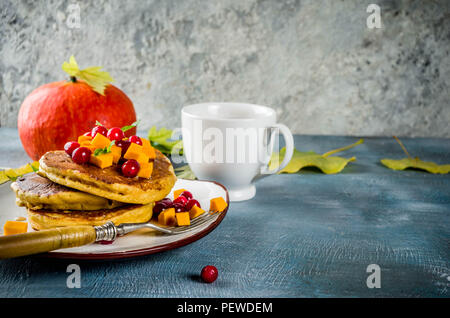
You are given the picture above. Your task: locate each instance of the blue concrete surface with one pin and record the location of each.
(303, 235)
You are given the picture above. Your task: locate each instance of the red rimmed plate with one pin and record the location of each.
(142, 242)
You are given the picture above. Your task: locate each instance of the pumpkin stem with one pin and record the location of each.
(73, 79)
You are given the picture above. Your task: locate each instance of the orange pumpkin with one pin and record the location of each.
(61, 111)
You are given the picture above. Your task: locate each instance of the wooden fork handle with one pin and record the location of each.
(45, 240)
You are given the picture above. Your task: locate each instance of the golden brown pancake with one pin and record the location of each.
(131, 213)
(36, 192)
(109, 182)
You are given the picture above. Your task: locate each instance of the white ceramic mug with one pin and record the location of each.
(232, 143)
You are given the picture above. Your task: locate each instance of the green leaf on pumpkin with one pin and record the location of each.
(415, 163)
(102, 151)
(325, 162)
(95, 78)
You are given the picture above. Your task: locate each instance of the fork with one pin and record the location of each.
(72, 236)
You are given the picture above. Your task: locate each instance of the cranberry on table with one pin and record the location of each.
(81, 155)
(136, 140)
(115, 133)
(130, 168)
(182, 200)
(186, 194)
(70, 146)
(99, 130)
(209, 273)
(190, 204)
(179, 207)
(124, 144)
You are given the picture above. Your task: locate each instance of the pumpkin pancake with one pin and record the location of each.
(36, 192)
(130, 213)
(109, 182)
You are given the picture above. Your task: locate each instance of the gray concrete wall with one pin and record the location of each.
(316, 62)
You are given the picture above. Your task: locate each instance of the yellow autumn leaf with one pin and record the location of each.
(326, 163)
(415, 163)
(13, 174)
(93, 76)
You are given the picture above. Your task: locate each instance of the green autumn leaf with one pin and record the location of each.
(415, 163)
(160, 139)
(324, 162)
(13, 174)
(185, 172)
(95, 78)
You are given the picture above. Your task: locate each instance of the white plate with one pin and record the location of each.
(141, 242)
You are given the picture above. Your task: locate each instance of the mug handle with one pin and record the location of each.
(289, 143)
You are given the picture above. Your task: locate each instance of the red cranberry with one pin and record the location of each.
(136, 140)
(115, 133)
(81, 155)
(209, 273)
(179, 207)
(124, 144)
(99, 129)
(70, 146)
(186, 194)
(89, 134)
(190, 204)
(130, 168)
(182, 200)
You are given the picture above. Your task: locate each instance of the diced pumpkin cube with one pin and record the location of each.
(116, 152)
(102, 161)
(195, 211)
(136, 152)
(177, 193)
(100, 141)
(146, 170)
(217, 204)
(167, 217)
(183, 218)
(84, 138)
(15, 227)
(148, 149)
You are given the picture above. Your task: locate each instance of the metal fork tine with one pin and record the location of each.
(198, 221)
(125, 228)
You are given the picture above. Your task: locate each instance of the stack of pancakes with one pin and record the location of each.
(65, 193)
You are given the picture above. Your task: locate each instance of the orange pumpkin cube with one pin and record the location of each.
(116, 152)
(15, 227)
(84, 138)
(136, 152)
(146, 170)
(102, 161)
(148, 149)
(100, 141)
(177, 193)
(183, 218)
(167, 217)
(195, 211)
(217, 204)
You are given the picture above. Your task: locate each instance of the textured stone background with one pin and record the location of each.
(315, 62)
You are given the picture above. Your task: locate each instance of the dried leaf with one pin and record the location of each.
(13, 174)
(415, 163)
(324, 162)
